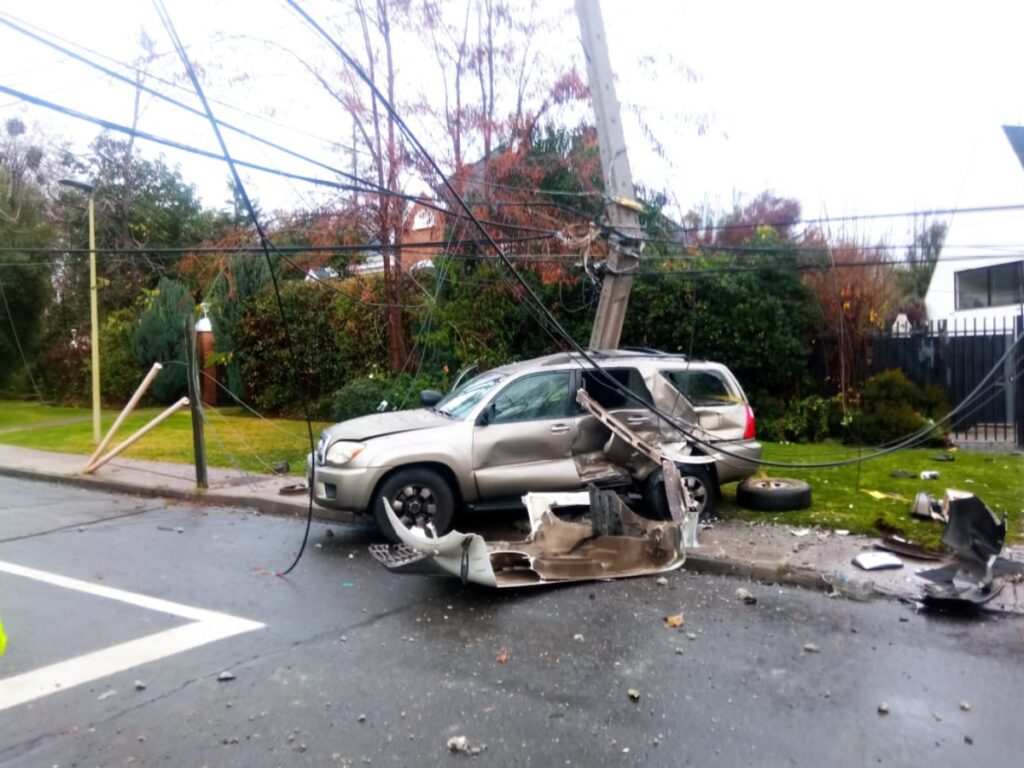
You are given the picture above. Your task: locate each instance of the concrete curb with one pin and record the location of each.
(264, 504)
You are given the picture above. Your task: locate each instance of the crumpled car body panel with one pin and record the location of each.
(617, 543)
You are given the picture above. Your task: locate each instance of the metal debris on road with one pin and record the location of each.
(674, 621)
(965, 706)
(661, 581)
(634, 695)
(883, 708)
(614, 543)
(139, 685)
(225, 676)
(811, 648)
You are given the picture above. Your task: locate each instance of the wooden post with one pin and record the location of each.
(121, 446)
(123, 415)
(192, 374)
(622, 207)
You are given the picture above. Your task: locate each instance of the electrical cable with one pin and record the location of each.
(240, 188)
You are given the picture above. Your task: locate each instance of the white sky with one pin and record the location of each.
(852, 108)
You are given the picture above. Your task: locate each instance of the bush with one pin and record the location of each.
(807, 420)
(120, 371)
(357, 398)
(893, 407)
(65, 370)
(160, 337)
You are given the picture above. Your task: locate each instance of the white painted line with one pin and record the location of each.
(206, 627)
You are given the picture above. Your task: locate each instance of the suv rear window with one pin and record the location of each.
(598, 387)
(701, 387)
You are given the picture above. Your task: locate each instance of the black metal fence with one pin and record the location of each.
(979, 364)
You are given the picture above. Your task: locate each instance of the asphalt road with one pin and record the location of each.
(357, 666)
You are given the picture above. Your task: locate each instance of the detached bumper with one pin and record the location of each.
(347, 488)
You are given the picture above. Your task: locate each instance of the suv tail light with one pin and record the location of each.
(751, 428)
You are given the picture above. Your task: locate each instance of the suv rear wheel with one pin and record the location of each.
(419, 497)
(696, 477)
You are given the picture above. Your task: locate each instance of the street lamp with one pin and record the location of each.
(94, 314)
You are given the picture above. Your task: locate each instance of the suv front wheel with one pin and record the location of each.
(419, 497)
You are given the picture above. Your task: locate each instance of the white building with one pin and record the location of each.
(979, 278)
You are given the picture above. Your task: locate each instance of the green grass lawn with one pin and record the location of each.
(840, 501)
(235, 438)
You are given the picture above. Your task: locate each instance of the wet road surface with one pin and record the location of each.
(358, 666)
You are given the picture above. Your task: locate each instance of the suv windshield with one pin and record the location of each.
(460, 402)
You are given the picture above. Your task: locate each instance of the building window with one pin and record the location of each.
(997, 286)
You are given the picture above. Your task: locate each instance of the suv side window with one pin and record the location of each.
(607, 396)
(540, 396)
(701, 388)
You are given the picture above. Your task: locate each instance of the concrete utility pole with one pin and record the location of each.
(622, 207)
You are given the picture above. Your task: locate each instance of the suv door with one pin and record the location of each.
(522, 439)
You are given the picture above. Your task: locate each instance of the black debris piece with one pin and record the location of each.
(973, 531)
(944, 457)
(906, 547)
(901, 473)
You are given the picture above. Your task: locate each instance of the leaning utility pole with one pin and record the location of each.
(625, 246)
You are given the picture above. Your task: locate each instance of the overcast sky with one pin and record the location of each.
(852, 108)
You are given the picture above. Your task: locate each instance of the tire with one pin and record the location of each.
(773, 494)
(418, 496)
(696, 477)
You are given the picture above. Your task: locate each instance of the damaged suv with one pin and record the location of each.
(522, 428)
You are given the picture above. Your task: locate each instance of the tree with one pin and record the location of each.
(25, 224)
(160, 337)
(915, 276)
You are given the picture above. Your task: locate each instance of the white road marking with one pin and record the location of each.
(206, 627)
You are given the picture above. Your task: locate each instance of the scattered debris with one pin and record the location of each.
(976, 535)
(926, 507)
(965, 706)
(799, 531)
(968, 740)
(348, 584)
(944, 457)
(280, 468)
(883, 708)
(634, 695)
(880, 495)
(615, 542)
(139, 685)
(293, 489)
(502, 656)
(901, 473)
(578, 637)
(841, 532)
(851, 586)
(929, 474)
(811, 648)
(877, 561)
(661, 581)
(906, 547)
(329, 533)
(169, 529)
(106, 695)
(674, 621)
(461, 745)
(361, 718)
(225, 676)
(745, 596)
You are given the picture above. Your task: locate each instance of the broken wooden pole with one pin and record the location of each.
(121, 446)
(139, 392)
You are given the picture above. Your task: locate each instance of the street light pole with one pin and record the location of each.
(94, 314)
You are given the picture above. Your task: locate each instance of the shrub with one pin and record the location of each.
(120, 371)
(65, 370)
(160, 337)
(807, 420)
(893, 407)
(357, 398)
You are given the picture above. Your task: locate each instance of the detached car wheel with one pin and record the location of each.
(419, 497)
(695, 477)
(773, 494)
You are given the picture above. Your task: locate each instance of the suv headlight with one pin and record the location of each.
(343, 451)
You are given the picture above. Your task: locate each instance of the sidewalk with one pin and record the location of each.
(228, 487)
(770, 554)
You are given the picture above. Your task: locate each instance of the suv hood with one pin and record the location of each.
(381, 424)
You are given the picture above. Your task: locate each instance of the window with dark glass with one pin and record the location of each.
(996, 286)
